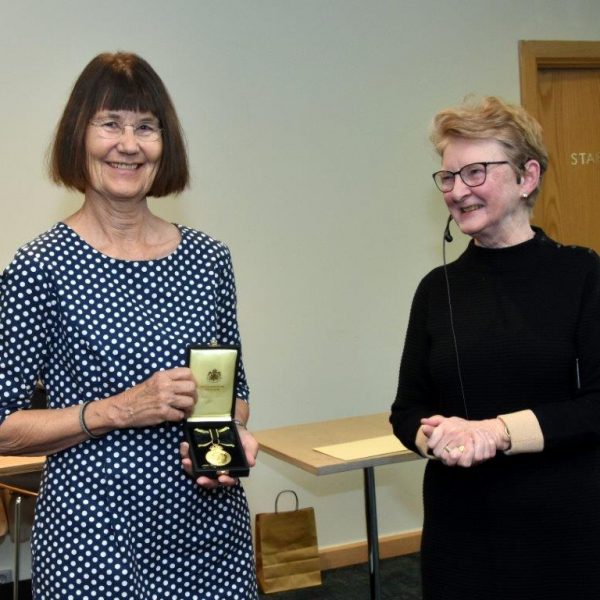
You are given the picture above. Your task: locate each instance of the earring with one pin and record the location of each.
(524, 196)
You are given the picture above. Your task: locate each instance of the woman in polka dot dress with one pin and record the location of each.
(101, 309)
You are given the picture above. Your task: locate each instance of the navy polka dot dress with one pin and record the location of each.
(117, 517)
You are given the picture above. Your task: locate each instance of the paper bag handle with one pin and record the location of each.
(284, 492)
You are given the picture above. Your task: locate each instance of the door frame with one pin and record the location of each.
(536, 55)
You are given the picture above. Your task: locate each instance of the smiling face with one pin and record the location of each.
(494, 213)
(124, 167)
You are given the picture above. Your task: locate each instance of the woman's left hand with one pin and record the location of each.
(250, 446)
(458, 442)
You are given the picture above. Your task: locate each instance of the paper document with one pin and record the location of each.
(377, 446)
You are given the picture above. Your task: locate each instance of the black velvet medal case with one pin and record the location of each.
(215, 445)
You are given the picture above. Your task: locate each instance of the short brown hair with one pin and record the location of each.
(492, 118)
(119, 81)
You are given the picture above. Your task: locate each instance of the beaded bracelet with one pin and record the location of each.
(82, 424)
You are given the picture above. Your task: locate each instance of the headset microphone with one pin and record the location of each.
(448, 238)
(447, 235)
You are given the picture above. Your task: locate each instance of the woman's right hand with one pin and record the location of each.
(460, 442)
(165, 396)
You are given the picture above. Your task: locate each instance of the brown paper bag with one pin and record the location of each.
(287, 552)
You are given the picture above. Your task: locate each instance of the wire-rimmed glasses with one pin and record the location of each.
(111, 129)
(472, 175)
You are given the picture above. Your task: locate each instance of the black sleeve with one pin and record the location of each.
(414, 396)
(576, 419)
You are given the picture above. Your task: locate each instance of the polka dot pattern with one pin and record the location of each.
(117, 517)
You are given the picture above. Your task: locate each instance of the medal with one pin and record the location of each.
(218, 456)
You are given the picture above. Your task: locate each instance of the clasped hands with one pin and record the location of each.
(459, 442)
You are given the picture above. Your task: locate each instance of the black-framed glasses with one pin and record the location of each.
(471, 175)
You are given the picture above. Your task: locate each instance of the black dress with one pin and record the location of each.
(527, 323)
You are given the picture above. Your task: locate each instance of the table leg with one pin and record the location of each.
(372, 534)
(18, 500)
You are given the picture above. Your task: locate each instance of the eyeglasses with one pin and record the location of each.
(113, 130)
(472, 175)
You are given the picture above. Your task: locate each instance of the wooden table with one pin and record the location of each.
(10, 465)
(294, 445)
(21, 475)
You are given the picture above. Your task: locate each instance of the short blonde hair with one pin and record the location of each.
(492, 118)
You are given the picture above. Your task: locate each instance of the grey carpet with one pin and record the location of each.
(400, 580)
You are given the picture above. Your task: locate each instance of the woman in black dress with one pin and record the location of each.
(500, 379)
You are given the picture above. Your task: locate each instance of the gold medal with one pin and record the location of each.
(218, 456)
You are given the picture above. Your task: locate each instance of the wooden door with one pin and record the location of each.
(560, 86)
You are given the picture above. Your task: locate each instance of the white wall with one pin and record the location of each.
(307, 129)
